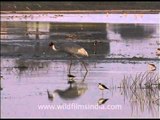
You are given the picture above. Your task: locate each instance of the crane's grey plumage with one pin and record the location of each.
(70, 48)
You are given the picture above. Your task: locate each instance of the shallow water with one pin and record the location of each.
(30, 68)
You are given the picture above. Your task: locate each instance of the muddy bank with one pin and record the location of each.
(34, 6)
(80, 7)
(121, 11)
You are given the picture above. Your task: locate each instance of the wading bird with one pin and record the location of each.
(151, 67)
(95, 46)
(102, 87)
(71, 76)
(72, 50)
(1, 78)
(71, 79)
(158, 52)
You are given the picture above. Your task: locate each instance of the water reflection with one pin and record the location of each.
(73, 91)
(83, 90)
(25, 41)
(134, 31)
(13, 30)
(102, 101)
(38, 30)
(76, 89)
(128, 38)
(100, 40)
(50, 95)
(140, 96)
(30, 66)
(24, 47)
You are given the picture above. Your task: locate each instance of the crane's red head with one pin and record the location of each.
(51, 44)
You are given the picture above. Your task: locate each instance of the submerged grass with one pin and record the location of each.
(146, 80)
(142, 90)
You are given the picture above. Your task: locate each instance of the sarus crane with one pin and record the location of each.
(71, 49)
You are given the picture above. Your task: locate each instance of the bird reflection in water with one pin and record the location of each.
(71, 79)
(75, 90)
(102, 101)
(50, 95)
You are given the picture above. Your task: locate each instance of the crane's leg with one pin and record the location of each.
(84, 65)
(70, 67)
(84, 76)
